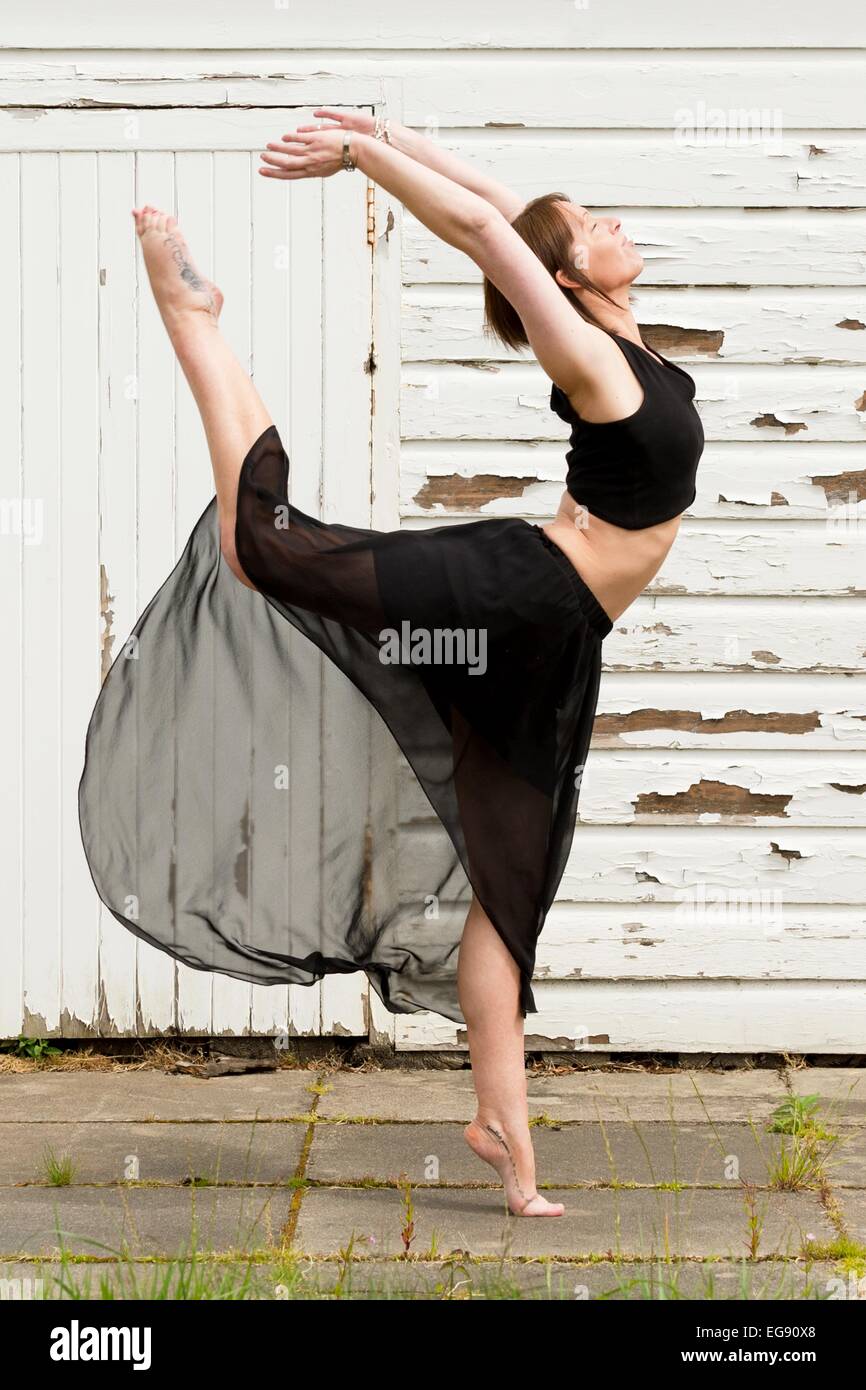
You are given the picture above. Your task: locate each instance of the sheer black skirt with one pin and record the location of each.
(478, 646)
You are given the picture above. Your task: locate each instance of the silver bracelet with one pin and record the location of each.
(382, 129)
(348, 161)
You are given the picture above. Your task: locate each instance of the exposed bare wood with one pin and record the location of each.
(106, 613)
(691, 721)
(469, 494)
(842, 487)
(712, 798)
(766, 422)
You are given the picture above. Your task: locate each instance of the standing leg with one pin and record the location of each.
(231, 410)
(488, 982)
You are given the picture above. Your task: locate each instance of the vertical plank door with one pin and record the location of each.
(106, 471)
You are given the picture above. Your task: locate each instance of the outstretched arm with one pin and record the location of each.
(429, 153)
(565, 345)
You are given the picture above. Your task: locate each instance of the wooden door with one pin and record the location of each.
(105, 473)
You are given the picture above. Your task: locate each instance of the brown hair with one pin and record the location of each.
(549, 233)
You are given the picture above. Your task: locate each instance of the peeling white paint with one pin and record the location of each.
(762, 605)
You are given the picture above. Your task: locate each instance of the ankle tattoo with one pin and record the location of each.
(500, 1139)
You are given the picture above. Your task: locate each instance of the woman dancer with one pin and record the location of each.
(499, 749)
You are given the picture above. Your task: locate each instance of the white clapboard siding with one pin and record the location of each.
(112, 461)
(444, 323)
(628, 170)
(790, 170)
(653, 91)
(713, 897)
(708, 787)
(698, 785)
(656, 863)
(778, 478)
(773, 91)
(704, 935)
(742, 634)
(766, 557)
(511, 400)
(695, 245)
(630, 1016)
(718, 710)
(450, 25)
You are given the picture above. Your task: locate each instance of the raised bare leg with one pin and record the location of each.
(231, 409)
(488, 983)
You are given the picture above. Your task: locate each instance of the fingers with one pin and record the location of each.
(282, 173)
(283, 166)
(288, 145)
(308, 154)
(283, 161)
(288, 158)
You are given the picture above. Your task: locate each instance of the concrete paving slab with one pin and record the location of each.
(400, 1095)
(842, 1091)
(153, 1095)
(112, 1152)
(846, 1165)
(853, 1204)
(572, 1153)
(541, 1280)
(639, 1223)
(149, 1221)
(697, 1096)
(587, 1095)
(175, 1127)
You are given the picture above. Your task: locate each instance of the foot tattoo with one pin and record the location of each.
(180, 290)
(501, 1141)
(488, 1142)
(188, 272)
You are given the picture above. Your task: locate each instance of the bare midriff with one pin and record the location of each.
(615, 563)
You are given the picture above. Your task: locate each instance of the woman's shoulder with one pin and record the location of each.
(602, 352)
(604, 355)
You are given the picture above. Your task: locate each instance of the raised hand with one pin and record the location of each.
(311, 152)
(361, 121)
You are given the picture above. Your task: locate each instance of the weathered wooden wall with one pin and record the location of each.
(714, 896)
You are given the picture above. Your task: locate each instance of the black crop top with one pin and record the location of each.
(639, 471)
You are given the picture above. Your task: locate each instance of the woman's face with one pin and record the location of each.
(602, 250)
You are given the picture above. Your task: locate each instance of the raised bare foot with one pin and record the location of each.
(177, 286)
(489, 1143)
